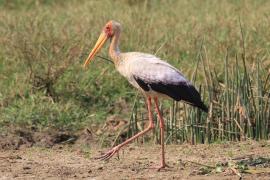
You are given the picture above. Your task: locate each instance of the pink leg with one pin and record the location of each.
(161, 125)
(115, 149)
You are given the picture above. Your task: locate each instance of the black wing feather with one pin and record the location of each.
(180, 91)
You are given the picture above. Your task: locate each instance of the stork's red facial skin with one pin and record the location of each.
(108, 29)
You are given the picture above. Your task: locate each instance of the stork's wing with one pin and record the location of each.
(154, 74)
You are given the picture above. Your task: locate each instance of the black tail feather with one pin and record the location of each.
(201, 106)
(182, 91)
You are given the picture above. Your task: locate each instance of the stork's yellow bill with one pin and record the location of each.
(100, 42)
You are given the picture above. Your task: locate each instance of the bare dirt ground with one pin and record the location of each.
(137, 162)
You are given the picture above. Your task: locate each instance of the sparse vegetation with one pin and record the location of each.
(222, 47)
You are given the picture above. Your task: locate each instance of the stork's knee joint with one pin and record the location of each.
(151, 126)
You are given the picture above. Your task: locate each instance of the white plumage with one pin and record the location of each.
(150, 69)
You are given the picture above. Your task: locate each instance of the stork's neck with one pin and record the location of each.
(114, 48)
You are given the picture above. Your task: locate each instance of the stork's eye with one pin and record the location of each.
(108, 30)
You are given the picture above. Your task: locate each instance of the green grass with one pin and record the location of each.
(223, 47)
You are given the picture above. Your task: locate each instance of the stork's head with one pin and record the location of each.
(109, 30)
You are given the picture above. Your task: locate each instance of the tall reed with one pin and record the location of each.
(238, 103)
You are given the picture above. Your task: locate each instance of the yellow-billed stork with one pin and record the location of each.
(152, 76)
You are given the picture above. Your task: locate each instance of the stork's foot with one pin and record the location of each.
(108, 154)
(162, 167)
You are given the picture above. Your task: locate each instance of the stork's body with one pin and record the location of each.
(152, 76)
(156, 78)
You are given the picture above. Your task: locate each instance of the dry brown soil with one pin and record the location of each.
(137, 161)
